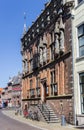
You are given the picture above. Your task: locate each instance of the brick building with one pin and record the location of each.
(12, 93)
(16, 90)
(47, 60)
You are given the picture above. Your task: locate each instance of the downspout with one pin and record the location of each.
(73, 65)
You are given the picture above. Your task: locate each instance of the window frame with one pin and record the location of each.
(79, 1)
(81, 92)
(79, 37)
(53, 83)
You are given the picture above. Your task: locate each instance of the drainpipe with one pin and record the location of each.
(72, 18)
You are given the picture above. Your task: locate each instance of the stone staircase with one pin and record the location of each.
(48, 113)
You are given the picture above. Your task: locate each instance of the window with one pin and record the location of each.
(32, 90)
(81, 40)
(79, 1)
(52, 76)
(38, 86)
(53, 84)
(25, 66)
(81, 78)
(38, 82)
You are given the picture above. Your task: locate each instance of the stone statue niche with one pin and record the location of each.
(57, 39)
(41, 56)
(61, 29)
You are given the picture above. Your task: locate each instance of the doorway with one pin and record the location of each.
(43, 93)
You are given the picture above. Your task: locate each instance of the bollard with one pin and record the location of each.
(63, 120)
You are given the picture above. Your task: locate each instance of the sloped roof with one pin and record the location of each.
(16, 79)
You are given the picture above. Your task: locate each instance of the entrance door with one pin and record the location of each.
(43, 94)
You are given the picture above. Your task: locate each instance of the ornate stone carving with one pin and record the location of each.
(56, 38)
(44, 39)
(56, 28)
(61, 34)
(56, 44)
(41, 56)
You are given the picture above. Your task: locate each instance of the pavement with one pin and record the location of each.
(39, 124)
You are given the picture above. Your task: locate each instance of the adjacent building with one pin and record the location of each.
(16, 90)
(11, 95)
(4, 97)
(47, 60)
(1, 89)
(78, 60)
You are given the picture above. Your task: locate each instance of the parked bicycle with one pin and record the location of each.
(33, 115)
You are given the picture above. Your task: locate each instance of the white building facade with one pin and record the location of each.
(78, 60)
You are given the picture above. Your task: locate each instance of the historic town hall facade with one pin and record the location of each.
(47, 60)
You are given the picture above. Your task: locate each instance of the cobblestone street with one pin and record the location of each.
(39, 125)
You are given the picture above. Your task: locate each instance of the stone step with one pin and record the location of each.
(46, 111)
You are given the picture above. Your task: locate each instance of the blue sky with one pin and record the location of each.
(11, 29)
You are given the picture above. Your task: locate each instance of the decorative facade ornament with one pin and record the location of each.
(56, 44)
(56, 28)
(44, 40)
(48, 19)
(61, 34)
(37, 28)
(44, 54)
(61, 26)
(63, 1)
(41, 43)
(41, 56)
(56, 38)
(61, 40)
(29, 39)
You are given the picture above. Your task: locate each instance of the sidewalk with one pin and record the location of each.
(38, 124)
